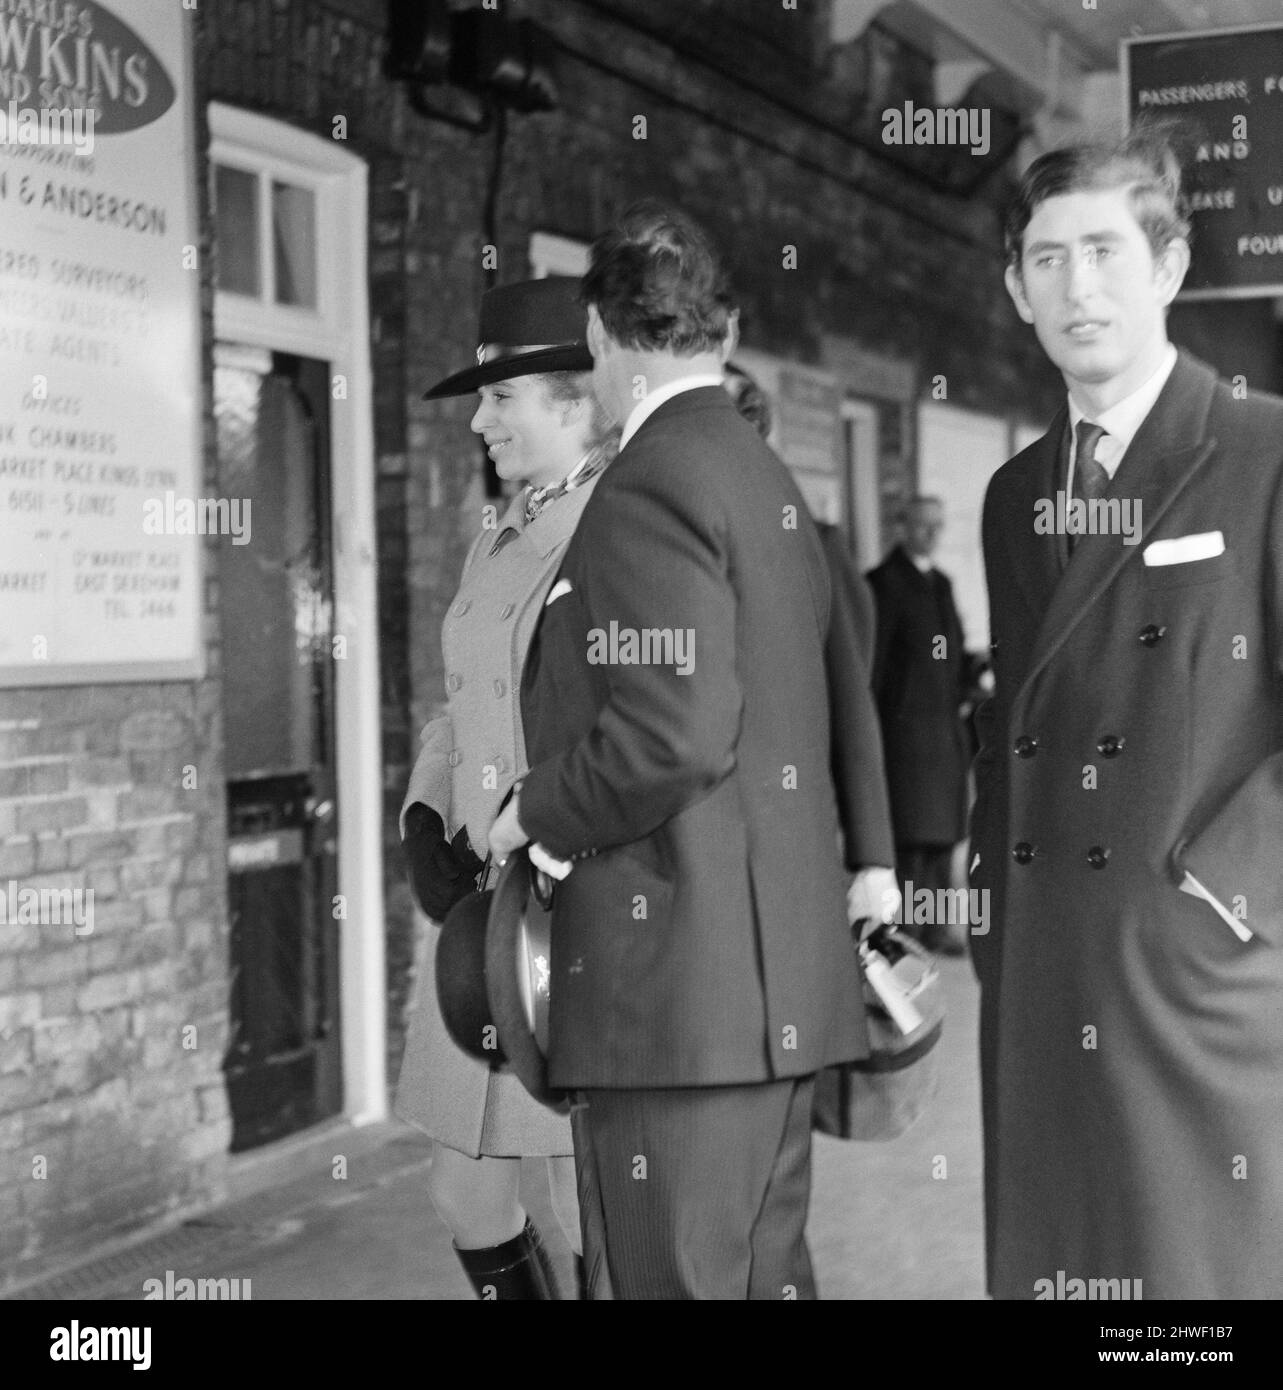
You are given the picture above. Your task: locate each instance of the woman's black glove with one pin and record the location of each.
(441, 871)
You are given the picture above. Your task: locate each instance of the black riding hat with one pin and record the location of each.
(532, 326)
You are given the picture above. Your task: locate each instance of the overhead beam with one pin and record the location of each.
(953, 79)
(850, 18)
(1008, 40)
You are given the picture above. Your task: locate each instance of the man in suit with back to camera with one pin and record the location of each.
(678, 727)
(920, 679)
(1130, 787)
(858, 765)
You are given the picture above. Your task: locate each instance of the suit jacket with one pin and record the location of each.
(919, 687)
(701, 937)
(1132, 1045)
(859, 772)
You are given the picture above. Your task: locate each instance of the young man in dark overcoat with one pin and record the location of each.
(1130, 789)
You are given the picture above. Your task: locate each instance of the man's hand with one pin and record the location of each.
(873, 897)
(506, 833)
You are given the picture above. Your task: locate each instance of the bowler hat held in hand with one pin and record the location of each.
(493, 975)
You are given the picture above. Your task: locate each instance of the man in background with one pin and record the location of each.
(921, 682)
(859, 769)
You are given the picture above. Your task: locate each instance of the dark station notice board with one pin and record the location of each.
(1226, 88)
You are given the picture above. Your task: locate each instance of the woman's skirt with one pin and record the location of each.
(460, 1101)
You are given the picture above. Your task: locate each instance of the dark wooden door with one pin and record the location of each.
(276, 600)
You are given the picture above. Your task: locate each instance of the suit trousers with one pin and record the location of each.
(700, 1192)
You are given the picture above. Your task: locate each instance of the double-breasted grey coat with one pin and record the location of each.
(469, 758)
(1132, 1043)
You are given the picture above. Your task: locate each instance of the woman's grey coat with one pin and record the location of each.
(469, 758)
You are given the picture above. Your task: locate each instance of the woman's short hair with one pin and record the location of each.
(1145, 163)
(658, 283)
(577, 386)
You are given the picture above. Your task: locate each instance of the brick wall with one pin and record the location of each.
(105, 1115)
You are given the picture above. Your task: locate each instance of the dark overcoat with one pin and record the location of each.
(1132, 1044)
(920, 681)
(701, 936)
(859, 771)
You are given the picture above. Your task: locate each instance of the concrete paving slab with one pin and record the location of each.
(892, 1221)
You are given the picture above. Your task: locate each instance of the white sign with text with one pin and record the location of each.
(100, 393)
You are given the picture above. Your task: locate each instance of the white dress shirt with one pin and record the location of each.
(651, 402)
(1120, 422)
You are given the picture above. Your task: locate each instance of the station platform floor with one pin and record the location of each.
(894, 1221)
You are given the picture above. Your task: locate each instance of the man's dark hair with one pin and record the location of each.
(658, 283)
(1145, 163)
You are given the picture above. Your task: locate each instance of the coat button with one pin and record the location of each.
(1097, 856)
(456, 758)
(506, 612)
(1153, 634)
(454, 681)
(462, 607)
(500, 690)
(1026, 747)
(1110, 746)
(1024, 852)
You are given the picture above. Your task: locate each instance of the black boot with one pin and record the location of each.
(519, 1268)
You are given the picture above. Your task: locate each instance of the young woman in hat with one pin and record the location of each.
(542, 427)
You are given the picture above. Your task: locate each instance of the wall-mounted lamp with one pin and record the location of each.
(503, 64)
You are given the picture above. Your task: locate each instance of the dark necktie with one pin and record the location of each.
(1090, 477)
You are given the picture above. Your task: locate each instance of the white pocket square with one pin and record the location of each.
(1182, 549)
(562, 586)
